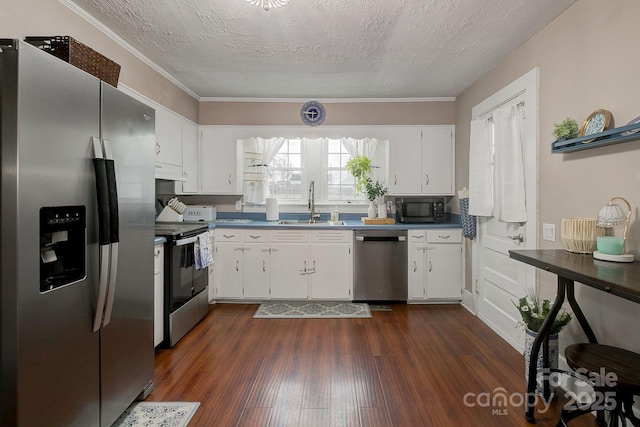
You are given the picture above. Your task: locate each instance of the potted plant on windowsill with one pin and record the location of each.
(533, 313)
(359, 167)
(375, 190)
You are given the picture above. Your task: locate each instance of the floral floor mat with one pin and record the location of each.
(291, 310)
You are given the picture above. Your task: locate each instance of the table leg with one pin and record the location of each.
(577, 311)
(543, 333)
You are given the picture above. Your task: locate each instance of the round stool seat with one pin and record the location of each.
(599, 359)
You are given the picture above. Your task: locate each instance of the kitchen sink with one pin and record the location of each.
(310, 224)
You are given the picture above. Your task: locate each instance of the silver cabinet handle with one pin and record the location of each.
(417, 236)
(430, 266)
(266, 249)
(264, 266)
(313, 270)
(444, 237)
(246, 248)
(229, 179)
(274, 250)
(415, 267)
(157, 148)
(237, 265)
(427, 182)
(519, 237)
(304, 271)
(255, 237)
(395, 179)
(228, 236)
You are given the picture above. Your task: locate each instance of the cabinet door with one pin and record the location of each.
(212, 283)
(256, 271)
(218, 161)
(437, 160)
(332, 276)
(168, 137)
(288, 278)
(444, 271)
(190, 158)
(227, 268)
(405, 168)
(416, 272)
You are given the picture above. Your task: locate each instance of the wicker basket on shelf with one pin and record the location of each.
(579, 234)
(79, 55)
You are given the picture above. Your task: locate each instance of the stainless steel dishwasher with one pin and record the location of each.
(380, 265)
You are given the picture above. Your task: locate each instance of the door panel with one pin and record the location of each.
(127, 350)
(57, 352)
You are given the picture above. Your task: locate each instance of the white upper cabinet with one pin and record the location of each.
(168, 137)
(422, 161)
(218, 155)
(190, 158)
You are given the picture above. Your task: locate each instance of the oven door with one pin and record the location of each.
(186, 280)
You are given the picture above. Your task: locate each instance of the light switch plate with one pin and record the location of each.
(549, 232)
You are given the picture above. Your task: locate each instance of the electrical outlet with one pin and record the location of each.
(238, 205)
(549, 232)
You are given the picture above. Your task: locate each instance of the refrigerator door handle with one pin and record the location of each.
(103, 230)
(114, 228)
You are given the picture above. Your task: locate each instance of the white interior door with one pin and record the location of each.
(498, 280)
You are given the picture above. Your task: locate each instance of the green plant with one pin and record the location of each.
(359, 167)
(568, 128)
(374, 189)
(534, 312)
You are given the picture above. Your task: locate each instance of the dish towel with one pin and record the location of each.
(203, 256)
(480, 169)
(509, 165)
(468, 221)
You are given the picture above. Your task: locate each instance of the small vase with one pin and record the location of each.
(371, 212)
(382, 210)
(529, 337)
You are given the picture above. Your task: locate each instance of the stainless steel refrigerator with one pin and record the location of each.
(76, 284)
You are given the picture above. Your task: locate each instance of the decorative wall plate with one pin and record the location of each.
(598, 121)
(312, 113)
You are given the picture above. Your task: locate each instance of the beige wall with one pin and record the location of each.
(20, 18)
(338, 113)
(587, 61)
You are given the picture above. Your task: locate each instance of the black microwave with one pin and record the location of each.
(420, 210)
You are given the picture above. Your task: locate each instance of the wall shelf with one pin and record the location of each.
(608, 137)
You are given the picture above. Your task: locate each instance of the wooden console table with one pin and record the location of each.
(619, 279)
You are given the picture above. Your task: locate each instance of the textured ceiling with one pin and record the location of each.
(325, 49)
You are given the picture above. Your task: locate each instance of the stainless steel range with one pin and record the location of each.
(185, 287)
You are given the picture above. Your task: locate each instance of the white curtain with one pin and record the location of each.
(255, 187)
(510, 193)
(480, 169)
(361, 147)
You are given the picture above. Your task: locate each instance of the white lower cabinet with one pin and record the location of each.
(211, 288)
(158, 293)
(435, 265)
(283, 264)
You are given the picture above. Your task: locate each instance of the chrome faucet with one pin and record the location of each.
(312, 203)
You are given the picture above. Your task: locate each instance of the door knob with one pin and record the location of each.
(519, 238)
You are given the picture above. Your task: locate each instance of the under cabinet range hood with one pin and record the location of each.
(169, 172)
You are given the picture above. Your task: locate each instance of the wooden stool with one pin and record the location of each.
(614, 396)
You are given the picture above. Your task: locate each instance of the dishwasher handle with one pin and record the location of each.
(361, 238)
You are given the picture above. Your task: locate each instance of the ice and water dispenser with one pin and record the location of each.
(62, 246)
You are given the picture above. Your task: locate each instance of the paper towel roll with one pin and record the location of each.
(272, 209)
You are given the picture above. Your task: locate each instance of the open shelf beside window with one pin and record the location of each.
(608, 137)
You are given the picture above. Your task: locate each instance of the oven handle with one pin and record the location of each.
(186, 241)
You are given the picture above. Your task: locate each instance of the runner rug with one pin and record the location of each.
(157, 414)
(305, 310)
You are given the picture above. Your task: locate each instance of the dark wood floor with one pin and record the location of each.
(412, 366)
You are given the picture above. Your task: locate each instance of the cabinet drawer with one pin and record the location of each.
(255, 236)
(228, 235)
(444, 236)
(290, 236)
(331, 236)
(417, 236)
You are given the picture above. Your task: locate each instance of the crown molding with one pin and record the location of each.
(331, 100)
(124, 44)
